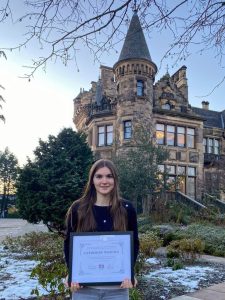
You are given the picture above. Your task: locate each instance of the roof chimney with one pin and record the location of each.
(205, 105)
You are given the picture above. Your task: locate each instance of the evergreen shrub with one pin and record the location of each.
(186, 249)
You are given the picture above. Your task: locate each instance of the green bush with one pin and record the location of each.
(47, 249)
(144, 224)
(149, 242)
(186, 249)
(213, 237)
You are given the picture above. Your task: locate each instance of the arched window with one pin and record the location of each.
(140, 88)
(166, 106)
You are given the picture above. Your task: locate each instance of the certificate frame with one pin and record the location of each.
(101, 258)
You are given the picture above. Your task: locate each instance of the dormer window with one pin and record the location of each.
(166, 106)
(140, 88)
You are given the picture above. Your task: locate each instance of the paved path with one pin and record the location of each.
(214, 292)
(17, 227)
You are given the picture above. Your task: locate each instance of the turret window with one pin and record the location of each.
(105, 135)
(140, 88)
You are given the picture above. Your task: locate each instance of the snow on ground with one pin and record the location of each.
(189, 277)
(15, 281)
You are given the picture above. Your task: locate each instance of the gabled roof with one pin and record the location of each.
(212, 118)
(135, 46)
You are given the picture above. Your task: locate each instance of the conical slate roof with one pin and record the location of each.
(135, 45)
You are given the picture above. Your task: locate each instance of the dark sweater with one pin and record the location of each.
(104, 223)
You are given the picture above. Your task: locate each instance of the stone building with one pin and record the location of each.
(127, 95)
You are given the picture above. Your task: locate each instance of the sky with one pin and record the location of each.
(44, 106)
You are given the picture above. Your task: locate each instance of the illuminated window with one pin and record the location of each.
(160, 129)
(180, 177)
(170, 135)
(180, 136)
(105, 135)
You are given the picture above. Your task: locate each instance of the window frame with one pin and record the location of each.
(182, 132)
(140, 88)
(105, 134)
(125, 127)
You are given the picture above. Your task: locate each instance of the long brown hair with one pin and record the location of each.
(85, 218)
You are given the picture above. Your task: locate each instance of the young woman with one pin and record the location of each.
(101, 209)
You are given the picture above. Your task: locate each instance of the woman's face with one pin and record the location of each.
(103, 181)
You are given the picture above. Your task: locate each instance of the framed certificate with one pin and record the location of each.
(101, 258)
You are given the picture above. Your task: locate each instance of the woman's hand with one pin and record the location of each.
(74, 285)
(127, 284)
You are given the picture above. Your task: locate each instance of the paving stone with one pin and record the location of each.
(184, 297)
(218, 288)
(16, 227)
(207, 294)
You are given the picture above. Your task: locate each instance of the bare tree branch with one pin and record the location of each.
(62, 27)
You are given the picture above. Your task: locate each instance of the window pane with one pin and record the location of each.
(166, 106)
(109, 138)
(101, 136)
(140, 88)
(101, 139)
(170, 169)
(191, 187)
(210, 145)
(170, 141)
(170, 128)
(127, 129)
(170, 135)
(160, 137)
(180, 130)
(191, 171)
(161, 168)
(180, 140)
(216, 147)
(101, 129)
(160, 127)
(109, 128)
(190, 137)
(190, 131)
(109, 135)
(181, 170)
(190, 141)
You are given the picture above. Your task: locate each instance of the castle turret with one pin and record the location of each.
(134, 74)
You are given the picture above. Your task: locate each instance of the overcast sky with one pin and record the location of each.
(44, 106)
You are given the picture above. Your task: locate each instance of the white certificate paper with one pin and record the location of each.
(101, 257)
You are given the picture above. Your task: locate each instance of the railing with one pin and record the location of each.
(189, 201)
(211, 157)
(212, 201)
(101, 109)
